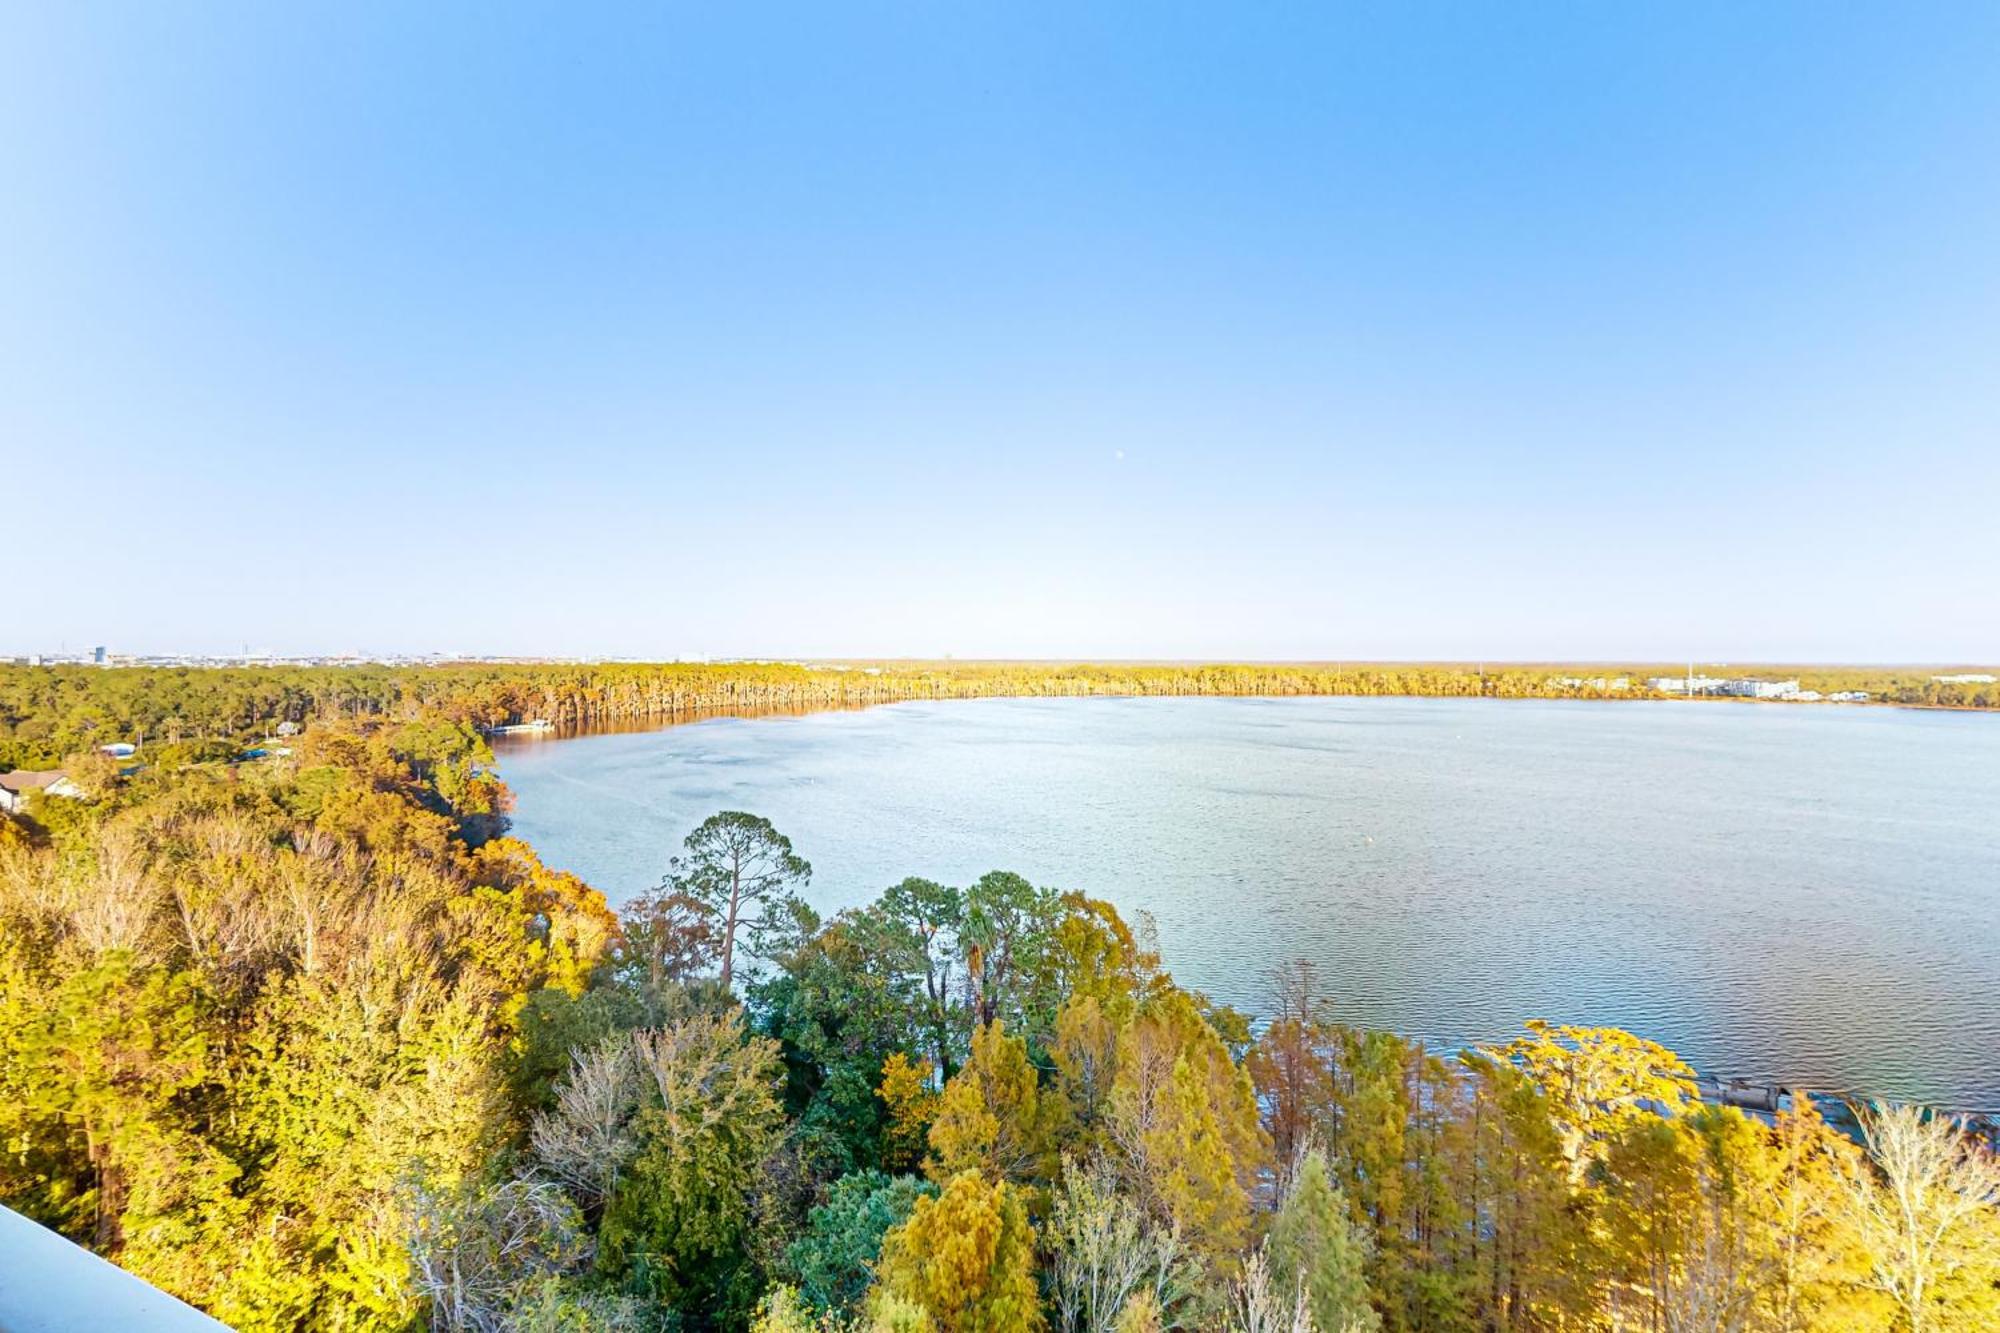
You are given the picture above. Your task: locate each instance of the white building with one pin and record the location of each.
(1688, 684)
(1760, 689)
(1739, 687)
(1966, 678)
(15, 787)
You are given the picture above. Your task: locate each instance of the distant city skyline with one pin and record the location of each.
(1518, 333)
(64, 655)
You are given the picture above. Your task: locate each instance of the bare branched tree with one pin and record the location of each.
(113, 902)
(587, 1139)
(474, 1253)
(703, 1072)
(1106, 1252)
(1258, 1307)
(1930, 1214)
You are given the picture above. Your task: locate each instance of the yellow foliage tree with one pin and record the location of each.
(1597, 1079)
(1086, 1060)
(967, 1259)
(992, 1117)
(1184, 1118)
(1816, 1262)
(913, 1104)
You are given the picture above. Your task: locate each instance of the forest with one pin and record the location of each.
(50, 713)
(309, 1041)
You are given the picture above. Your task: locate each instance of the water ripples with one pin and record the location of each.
(1803, 893)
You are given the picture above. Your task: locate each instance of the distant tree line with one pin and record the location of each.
(49, 713)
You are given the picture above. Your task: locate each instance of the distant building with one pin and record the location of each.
(16, 787)
(1760, 689)
(1740, 687)
(97, 655)
(119, 749)
(1688, 684)
(1965, 678)
(1848, 697)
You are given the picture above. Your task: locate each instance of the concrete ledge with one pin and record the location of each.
(48, 1285)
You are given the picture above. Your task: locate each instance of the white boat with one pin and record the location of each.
(517, 728)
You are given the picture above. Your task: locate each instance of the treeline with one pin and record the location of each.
(313, 1044)
(50, 713)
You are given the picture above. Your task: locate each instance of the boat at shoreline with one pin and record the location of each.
(536, 727)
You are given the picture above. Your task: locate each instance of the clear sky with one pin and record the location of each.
(1435, 330)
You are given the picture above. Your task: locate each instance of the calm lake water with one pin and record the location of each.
(1801, 893)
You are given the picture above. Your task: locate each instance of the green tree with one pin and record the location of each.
(744, 874)
(1005, 936)
(917, 923)
(1315, 1246)
(834, 1261)
(833, 1004)
(709, 1115)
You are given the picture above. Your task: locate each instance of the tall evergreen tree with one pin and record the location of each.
(1315, 1245)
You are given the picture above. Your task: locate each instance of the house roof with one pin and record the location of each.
(28, 779)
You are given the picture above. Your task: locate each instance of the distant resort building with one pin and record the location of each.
(1741, 687)
(1761, 689)
(16, 787)
(1689, 684)
(1966, 678)
(1602, 684)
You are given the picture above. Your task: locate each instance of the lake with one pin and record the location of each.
(1806, 894)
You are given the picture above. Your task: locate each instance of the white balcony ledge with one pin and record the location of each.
(48, 1285)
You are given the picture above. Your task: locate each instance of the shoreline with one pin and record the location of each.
(516, 735)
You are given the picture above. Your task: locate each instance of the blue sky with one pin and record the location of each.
(1463, 331)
